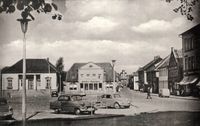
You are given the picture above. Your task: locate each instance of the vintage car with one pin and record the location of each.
(72, 103)
(113, 100)
(6, 112)
(164, 92)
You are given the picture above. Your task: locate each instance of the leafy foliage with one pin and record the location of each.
(28, 6)
(186, 7)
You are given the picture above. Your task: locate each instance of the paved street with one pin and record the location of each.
(38, 107)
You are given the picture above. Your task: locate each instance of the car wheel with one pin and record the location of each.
(116, 105)
(77, 111)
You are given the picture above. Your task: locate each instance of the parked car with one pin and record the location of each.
(72, 103)
(54, 94)
(164, 92)
(113, 100)
(6, 112)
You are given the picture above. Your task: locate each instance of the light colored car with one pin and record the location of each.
(164, 92)
(72, 103)
(113, 100)
(6, 112)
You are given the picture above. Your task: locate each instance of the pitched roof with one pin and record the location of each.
(178, 56)
(163, 63)
(32, 66)
(151, 64)
(72, 74)
(195, 29)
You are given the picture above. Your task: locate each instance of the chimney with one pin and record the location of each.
(156, 57)
(172, 48)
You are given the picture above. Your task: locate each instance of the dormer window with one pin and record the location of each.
(90, 66)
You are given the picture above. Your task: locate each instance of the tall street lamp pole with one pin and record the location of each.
(24, 26)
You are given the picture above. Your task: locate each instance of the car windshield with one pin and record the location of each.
(117, 96)
(76, 98)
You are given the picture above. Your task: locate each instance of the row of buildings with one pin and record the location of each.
(179, 71)
(41, 75)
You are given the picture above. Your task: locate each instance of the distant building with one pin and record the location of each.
(40, 75)
(147, 75)
(175, 71)
(190, 83)
(90, 78)
(123, 78)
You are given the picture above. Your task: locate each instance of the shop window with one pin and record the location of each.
(95, 86)
(90, 86)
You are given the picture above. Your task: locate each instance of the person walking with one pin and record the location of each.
(149, 92)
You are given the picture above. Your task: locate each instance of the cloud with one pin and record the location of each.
(156, 26)
(97, 25)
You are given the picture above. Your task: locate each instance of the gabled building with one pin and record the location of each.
(147, 75)
(90, 78)
(175, 72)
(190, 84)
(40, 75)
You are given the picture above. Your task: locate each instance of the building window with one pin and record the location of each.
(81, 75)
(38, 80)
(88, 75)
(99, 76)
(93, 75)
(48, 82)
(10, 83)
(30, 84)
(100, 86)
(81, 85)
(90, 86)
(95, 86)
(86, 86)
(186, 63)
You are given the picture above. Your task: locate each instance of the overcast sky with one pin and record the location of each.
(129, 31)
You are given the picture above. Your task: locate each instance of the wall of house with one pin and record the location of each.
(53, 81)
(163, 78)
(16, 82)
(136, 84)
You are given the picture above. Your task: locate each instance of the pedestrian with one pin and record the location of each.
(149, 92)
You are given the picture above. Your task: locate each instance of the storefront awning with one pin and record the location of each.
(188, 80)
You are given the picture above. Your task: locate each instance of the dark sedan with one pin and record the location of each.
(72, 103)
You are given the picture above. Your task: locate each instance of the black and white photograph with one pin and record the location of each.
(99, 62)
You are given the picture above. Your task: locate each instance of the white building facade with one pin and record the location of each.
(90, 78)
(40, 75)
